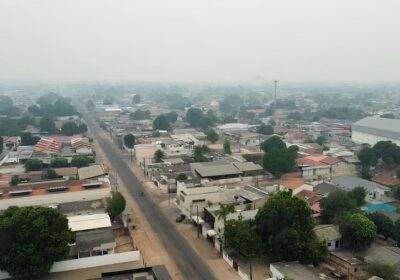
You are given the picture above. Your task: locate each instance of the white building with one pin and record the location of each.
(52, 193)
(371, 130)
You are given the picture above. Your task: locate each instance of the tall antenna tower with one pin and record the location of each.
(276, 85)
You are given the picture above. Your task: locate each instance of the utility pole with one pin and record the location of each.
(198, 235)
(144, 167)
(276, 85)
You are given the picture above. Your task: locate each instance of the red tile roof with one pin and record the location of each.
(317, 160)
(386, 180)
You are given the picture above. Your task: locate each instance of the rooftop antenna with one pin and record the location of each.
(276, 85)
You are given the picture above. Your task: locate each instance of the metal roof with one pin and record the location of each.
(90, 172)
(327, 232)
(389, 128)
(349, 183)
(86, 222)
(212, 169)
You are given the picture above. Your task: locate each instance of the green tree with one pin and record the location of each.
(358, 195)
(69, 128)
(396, 233)
(51, 174)
(367, 157)
(116, 205)
(59, 162)
(136, 99)
(273, 143)
(357, 231)
(47, 125)
(129, 140)
(158, 156)
(198, 153)
(227, 147)
(336, 204)
(33, 238)
(33, 164)
(266, 129)
(241, 236)
(1, 144)
(108, 100)
(382, 270)
(194, 116)
(140, 115)
(396, 191)
(161, 123)
(90, 105)
(14, 180)
(321, 140)
(285, 226)
(172, 117)
(212, 135)
(295, 116)
(279, 162)
(82, 128)
(224, 210)
(181, 177)
(34, 110)
(81, 161)
(211, 116)
(272, 122)
(383, 224)
(386, 150)
(28, 140)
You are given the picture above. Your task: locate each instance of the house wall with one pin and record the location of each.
(331, 245)
(315, 172)
(276, 273)
(303, 187)
(55, 198)
(361, 137)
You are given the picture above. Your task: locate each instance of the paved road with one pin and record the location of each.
(187, 260)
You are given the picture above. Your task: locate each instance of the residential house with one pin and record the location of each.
(329, 234)
(316, 166)
(66, 172)
(325, 188)
(313, 199)
(95, 171)
(295, 270)
(375, 192)
(344, 264)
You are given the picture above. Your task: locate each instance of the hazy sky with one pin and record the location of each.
(218, 40)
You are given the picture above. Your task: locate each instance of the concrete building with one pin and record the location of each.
(330, 234)
(371, 130)
(295, 270)
(53, 193)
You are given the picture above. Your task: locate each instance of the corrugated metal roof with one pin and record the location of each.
(389, 128)
(86, 222)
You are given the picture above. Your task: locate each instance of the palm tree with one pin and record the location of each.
(159, 155)
(224, 210)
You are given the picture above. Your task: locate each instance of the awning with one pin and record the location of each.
(211, 233)
(197, 220)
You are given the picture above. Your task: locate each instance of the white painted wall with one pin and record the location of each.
(361, 137)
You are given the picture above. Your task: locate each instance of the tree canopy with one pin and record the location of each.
(129, 140)
(81, 161)
(158, 155)
(28, 140)
(194, 116)
(33, 164)
(136, 99)
(47, 125)
(241, 236)
(198, 153)
(285, 226)
(266, 129)
(33, 238)
(161, 122)
(358, 232)
(59, 162)
(367, 157)
(336, 204)
(383, 224)
(69, 128)
(140, 115)
(278, 159)
(227, 147)
(212, 135)
(116, 205)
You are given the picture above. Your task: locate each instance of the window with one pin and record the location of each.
(329, 244)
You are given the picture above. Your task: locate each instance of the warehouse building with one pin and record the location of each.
(371, 130)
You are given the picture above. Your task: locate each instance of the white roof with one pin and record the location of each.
(86, 222)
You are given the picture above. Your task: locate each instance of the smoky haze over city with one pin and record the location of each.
(200, 41)
(200, 140)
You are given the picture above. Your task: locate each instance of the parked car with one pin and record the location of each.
(180, 218)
